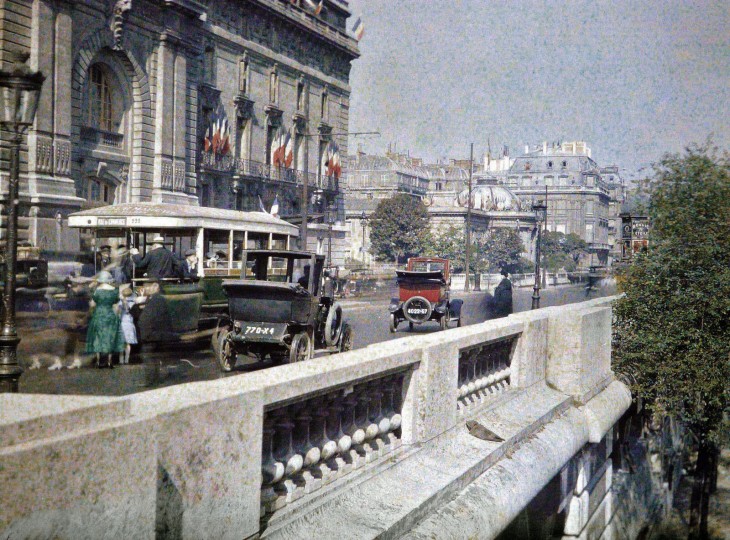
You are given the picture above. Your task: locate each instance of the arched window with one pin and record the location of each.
(100, 99)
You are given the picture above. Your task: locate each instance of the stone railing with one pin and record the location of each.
(292, 450)
(102, 138)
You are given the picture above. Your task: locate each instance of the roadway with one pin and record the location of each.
(368, 316)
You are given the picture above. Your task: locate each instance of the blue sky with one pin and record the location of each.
(633, 79)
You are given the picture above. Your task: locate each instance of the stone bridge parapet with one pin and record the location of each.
(369, 443)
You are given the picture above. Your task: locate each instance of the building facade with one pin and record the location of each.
(180, 101)
(441, 187)
(571, 182)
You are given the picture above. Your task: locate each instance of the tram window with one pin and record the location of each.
(279, 242)
(277, 270)
(258, 240)
(215, 249)
(238, 238)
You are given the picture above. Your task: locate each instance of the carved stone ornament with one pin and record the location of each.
(244, 106)
(119, 15)
(209, 95)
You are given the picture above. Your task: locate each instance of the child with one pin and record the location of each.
(128, 330)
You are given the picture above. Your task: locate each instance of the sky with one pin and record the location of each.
(634, 79)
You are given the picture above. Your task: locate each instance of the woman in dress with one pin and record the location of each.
(104, 335)
(128, 329)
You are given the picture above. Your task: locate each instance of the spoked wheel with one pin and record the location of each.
(346, 340)
(214, 339)
(393, 323)
(299, 348)
(226, 354)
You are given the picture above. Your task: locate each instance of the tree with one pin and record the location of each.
(448, 244)
(559, 250)
(502, 250)
(399, 228)
(672, 326)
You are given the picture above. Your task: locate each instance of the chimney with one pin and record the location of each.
(527, 149)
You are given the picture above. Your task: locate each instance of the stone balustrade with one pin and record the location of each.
(292, 451)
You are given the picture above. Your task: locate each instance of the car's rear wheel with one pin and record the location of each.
(417, 309)
(333, 325)
(393, 323)
(346, 340)
(299, 348)
(225, 353)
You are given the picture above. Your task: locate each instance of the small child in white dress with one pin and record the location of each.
(128, 330)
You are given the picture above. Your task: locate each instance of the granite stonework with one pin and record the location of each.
(186, 461)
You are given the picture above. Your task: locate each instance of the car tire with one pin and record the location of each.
(333, 325)
(393, 323)
(422, 304)
(300, 348)
(226, 353)
(346, 339)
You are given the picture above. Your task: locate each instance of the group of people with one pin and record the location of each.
(112, 327)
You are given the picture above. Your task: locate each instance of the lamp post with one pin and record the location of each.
(330, 214)
(468, 221)
(540, 210)
(363, 222)
(19, 93)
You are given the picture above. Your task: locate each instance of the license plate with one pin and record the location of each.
(257, 330)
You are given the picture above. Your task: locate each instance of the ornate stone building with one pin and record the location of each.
(134, 88)
(441, 187)
(577, 194)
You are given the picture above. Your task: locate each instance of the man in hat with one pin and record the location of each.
(503, 296)
(159, 262)
(190, 265)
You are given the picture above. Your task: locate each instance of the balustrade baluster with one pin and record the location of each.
(306, 448)
(336, 433)
(272, 471)
(327, 447)
(284, 452)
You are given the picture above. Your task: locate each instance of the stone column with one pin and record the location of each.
(164, 111)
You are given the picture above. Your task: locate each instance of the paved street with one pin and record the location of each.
(368, 317)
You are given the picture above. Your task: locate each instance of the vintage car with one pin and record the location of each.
(423, 294)
(282, 308)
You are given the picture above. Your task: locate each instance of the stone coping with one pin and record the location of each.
(539, 423)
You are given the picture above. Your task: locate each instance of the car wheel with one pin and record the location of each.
(333, 325)
(226, 353)
(393, 323)
(299, 348)
(417, 309)
(346, 339)
(220, 329)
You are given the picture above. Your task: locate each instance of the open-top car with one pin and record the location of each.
(423, 294)
(282, 307)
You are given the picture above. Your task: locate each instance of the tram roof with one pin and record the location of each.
(167, 216)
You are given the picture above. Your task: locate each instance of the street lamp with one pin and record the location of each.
(19, 93)
(540, 210)
(363, 222)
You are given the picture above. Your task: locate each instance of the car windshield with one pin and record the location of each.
(427, 266)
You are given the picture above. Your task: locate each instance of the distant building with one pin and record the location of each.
(617, 193)
(179, 101)
(577, 195)
(441, 187)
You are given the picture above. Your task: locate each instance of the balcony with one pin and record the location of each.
(264, 171)
(102, 138)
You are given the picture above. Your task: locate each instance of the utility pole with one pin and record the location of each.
(544, 269)
(468, 221)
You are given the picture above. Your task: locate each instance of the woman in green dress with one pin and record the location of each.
(104, 335)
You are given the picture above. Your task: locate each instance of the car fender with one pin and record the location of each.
(455, 307)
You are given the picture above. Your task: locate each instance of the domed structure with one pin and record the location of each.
(489, 197)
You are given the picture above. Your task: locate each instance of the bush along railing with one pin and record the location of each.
(484, 372)
(310, 443)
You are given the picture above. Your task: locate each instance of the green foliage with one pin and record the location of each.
(500, 249)
(672, 327)
(399, 228)
(559, 250)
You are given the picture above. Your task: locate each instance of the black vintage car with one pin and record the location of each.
(282, 308)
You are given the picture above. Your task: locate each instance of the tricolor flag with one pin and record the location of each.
(316, 8)
(261, 206)
(217, 136)
(331, 164)
(358, 29)
(278, 147)
(275, 207)
(289, 151)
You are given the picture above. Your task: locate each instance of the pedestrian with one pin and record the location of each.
(503, 296)
(121, 266)
(128, 330)
(104, 335)
(190, 266)
(159, 262)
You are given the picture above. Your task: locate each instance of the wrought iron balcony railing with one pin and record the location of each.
(102, 138)
(266, 171)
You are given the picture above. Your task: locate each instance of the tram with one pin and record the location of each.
(218, 237)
